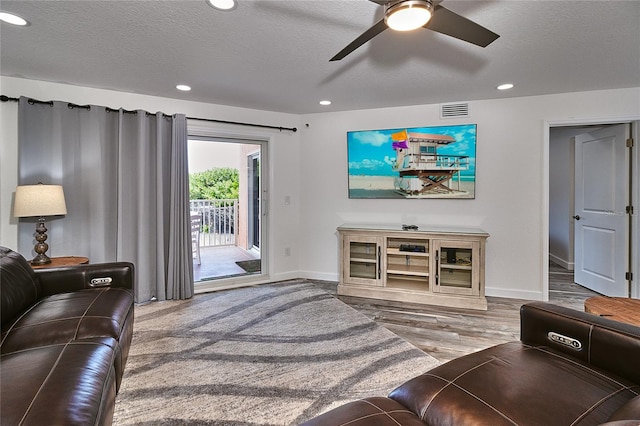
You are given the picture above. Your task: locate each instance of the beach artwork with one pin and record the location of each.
(417, 162)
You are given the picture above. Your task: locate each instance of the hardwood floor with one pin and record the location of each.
(447, 333)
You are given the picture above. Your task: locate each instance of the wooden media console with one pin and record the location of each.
(431, 265)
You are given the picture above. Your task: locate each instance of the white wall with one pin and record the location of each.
(561, 176)
(205, 155)
(510, 187)
(283, 146)
(310, 166)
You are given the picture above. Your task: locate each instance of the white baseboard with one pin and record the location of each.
(514, 294)
(321, 276)
(562, 262)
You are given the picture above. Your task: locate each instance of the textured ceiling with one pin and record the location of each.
(274, 55)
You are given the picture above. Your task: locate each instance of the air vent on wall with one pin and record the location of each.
(454, 110)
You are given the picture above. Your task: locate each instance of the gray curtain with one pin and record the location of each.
(125, 178)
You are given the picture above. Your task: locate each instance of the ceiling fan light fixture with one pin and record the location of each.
(408, 15)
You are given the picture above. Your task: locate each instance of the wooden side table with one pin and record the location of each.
(58, 262)
(620, 309)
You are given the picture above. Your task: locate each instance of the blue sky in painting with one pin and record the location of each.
(370, 152)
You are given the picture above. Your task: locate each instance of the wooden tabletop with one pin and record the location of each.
(620, 309)
(57, 262)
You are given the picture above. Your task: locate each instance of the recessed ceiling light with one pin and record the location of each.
(13, 19)
(325, 103)
(183, 87)
(223, 4)
(505, 86)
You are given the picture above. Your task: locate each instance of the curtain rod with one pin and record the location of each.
(264, 126)
(4, 98)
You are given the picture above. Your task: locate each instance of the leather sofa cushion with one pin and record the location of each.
(367, 412)
(19, 287)
(64, 317)
(513, 383)
(65, 384)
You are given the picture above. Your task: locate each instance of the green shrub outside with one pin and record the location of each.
(220, 183)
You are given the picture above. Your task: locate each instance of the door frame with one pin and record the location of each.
(214, 131)
(635, 194)
(254, 208)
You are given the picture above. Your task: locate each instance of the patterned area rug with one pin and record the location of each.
(276, 354)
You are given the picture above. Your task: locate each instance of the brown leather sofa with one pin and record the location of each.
(66, 334)
(569, 368)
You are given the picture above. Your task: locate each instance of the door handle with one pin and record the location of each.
(576, 217)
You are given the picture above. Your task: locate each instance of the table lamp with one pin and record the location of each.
(39, 201)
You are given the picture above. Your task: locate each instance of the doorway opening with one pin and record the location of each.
(226, 192)
(592, 230)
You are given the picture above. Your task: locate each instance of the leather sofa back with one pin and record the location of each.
(610, 345)
(94, 276)
(19, 285)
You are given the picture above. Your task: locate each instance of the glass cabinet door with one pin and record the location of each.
(456, 264)
(362, 260)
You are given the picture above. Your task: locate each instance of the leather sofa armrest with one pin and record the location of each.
(629, 411)
(610, 345)
(377, 411)
(98, 275)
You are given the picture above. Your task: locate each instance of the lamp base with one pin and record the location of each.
(41, 247)
(41, 259)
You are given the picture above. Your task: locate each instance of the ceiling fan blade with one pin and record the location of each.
(379, 27)
(380, 2)
(450, 23)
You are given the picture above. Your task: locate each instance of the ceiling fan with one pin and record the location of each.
(406, 15)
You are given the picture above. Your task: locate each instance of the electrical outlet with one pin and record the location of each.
(287, 251)
(287, 200)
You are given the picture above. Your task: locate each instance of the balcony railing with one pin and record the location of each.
(219, 221)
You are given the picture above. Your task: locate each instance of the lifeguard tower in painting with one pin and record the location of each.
(421, 170)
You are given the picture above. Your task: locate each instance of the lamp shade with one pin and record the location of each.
(39, 200)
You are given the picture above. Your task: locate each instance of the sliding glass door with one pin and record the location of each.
(227, 192)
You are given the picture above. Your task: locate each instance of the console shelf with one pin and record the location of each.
(435, 266)
(395, 251)
(408, 271)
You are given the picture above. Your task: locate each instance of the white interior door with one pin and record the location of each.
(601, 223)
